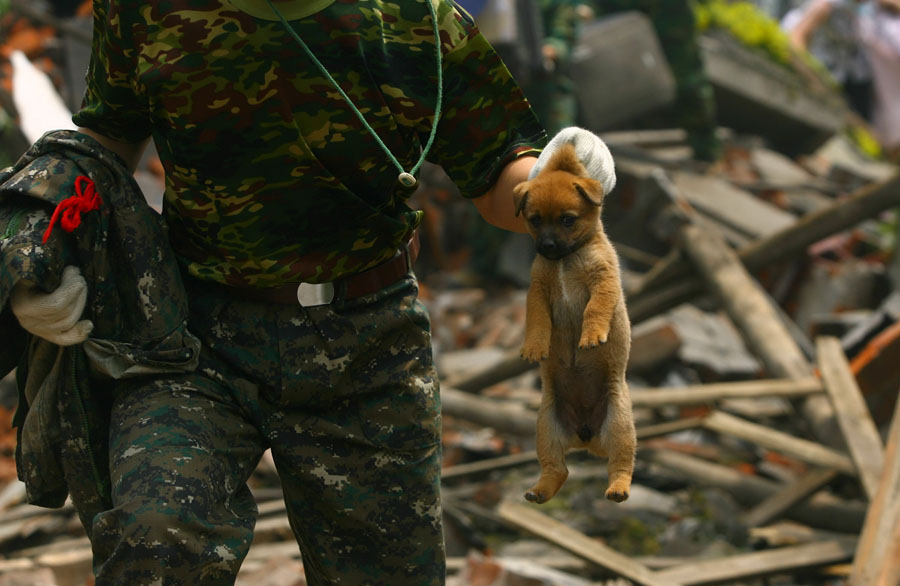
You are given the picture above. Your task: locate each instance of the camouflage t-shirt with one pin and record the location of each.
(270, 175)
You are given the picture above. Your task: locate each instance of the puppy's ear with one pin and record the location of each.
(520, 196)
(565, 159)
(590, 190)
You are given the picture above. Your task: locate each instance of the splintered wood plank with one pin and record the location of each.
(756, 317)
(711, 393)
(784, 499)
(878, 555)
(533, 521)
(860, 433)
(488, 465)
(779, 441)
(659, 429)
(763, 563)
(746, 303)
(749, 490)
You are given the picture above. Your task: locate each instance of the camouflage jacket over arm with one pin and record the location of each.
(270, 175)
(135, 298)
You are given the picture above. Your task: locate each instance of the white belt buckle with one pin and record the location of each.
(312, 294)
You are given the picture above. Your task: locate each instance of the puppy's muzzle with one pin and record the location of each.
(552, 249)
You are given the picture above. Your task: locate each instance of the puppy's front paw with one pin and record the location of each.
(591, 338)
(535, 351)
(535, 497)
(616, 495)
(618, 491)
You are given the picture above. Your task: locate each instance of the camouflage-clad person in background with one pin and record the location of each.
(553, 96)
(290, 222)
(551, 92)
(675, 24)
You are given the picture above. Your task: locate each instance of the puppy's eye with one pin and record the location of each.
(534, 221)
(568, 220)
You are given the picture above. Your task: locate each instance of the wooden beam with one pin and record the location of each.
(877, 561)
(516, 420)
(750, 490)
(745, 302)
(488, 465)
(712, 393)
(778, 441)
(860, 434)
(774, 506)
(752, 312)
(645, 432)
(510, 366)
(864, 203)
(760, 564)
(529, 519)
(675, 281)
(502, 416)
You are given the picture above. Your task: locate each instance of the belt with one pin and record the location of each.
(349, 287)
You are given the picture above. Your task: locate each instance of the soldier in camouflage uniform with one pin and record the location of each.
(694, 108)
(273, 180)
(553, 96)
(551, 92)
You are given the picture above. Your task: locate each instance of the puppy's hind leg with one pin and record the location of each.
(551, 449)
(619, 439)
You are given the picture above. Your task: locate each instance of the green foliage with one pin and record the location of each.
(753, 28)
(863, 139)
(747, 23)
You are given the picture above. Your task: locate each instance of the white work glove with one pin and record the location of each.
(591, 151)
(54, 316)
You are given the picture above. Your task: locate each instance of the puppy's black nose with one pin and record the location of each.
(549, 248)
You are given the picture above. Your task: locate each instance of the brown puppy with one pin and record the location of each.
(577, 327)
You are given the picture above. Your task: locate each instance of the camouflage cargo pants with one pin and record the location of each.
(346, 397)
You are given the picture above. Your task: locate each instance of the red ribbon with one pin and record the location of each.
(68, 212)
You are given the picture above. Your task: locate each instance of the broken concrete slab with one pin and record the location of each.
(731, 206)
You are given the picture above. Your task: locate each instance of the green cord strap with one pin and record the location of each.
(407, 179)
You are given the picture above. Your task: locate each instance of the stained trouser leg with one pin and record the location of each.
(180, 455)
(355, 434)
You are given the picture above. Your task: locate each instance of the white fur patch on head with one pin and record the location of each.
(591, 151)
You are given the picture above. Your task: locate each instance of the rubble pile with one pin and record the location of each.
(763, 294)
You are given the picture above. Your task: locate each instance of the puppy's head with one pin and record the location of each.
(561, 205)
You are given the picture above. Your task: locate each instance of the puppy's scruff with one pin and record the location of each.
(577, 327)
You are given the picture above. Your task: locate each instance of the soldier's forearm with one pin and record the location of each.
(496, 206)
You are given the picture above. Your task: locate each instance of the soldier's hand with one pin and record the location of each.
(591, 151)
(55, 316)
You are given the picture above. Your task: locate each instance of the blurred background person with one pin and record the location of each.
(879, 29)
(829, 31)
